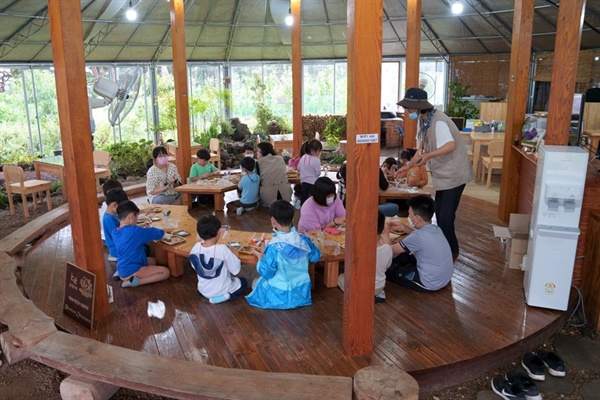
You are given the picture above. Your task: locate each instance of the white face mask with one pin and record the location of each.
(249, 155)
(410, 223)
(330, 200)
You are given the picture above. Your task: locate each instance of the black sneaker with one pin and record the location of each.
(504, 389)
(526, 383)
(555, 364)
(534, 366)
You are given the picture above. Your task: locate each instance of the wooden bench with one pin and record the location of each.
(132, 191)
(33, 335)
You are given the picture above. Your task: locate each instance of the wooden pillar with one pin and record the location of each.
(364, 97)
(297, 76)
(413, 54)
(518, 89)
(564, 71)
(74, 116)
(184, 152)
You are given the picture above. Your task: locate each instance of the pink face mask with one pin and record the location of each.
(162, 160)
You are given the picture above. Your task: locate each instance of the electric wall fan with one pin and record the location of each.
(121, 96)
(427, 83)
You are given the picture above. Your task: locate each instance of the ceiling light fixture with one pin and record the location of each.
(289, 20)
(131, 14)
(457, 7)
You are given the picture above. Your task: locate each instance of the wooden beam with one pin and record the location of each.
(297, 75)
(74, 116)
(413, 54)
(564, 71)
(518, 89)
(184, 153)
(364, 97)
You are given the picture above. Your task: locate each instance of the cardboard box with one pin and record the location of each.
(516, 237)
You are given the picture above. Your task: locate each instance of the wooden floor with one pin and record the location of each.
(477, 323)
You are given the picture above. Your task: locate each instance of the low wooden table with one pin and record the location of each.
(479, 139)
(400, 192)
(206, 187)
(281, 142)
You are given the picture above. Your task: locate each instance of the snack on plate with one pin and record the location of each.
(171, 240)
(155, 218)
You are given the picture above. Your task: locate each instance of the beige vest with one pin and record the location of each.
(453, 169)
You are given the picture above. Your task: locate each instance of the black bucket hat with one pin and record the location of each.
(415, 98)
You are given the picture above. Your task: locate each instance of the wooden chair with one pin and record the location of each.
(215, 152)
(493, 160)
(101, 167)
(15, 174)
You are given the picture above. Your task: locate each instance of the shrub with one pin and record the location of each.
(129, 158)
(3, 200)
(335, 130)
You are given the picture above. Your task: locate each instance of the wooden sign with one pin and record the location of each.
(78, 303)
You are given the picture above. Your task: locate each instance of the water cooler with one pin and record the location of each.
(557, 199)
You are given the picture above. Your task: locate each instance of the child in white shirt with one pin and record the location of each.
(309, 168)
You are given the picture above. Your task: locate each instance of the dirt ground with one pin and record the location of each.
(28, 380)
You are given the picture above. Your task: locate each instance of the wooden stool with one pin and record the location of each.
(384, 383)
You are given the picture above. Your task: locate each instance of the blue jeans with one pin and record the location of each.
(389, 209)
(165, 198)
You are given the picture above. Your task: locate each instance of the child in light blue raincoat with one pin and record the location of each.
(284, 282)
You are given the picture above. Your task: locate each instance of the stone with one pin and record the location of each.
(384, 383)
(556, 385)
(590, 390)
(80, 388)
(486, 395)
(241, 132)
(578, 352)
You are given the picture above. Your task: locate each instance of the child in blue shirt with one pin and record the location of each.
(134, 267)
(247, 188)
(284, 282)
(110, 221)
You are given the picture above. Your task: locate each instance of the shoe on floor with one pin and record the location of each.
(132, 282)
(504, 389)
(249, 209)
(380, 298)
(239, 211)
(534, 366)
(526, 383)
(116, 276)
(112, 259)
(555, 364)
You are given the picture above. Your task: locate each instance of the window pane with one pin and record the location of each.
(389, 85)
(318, 89)
(341, 88)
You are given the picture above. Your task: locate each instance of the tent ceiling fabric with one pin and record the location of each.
(242, 30)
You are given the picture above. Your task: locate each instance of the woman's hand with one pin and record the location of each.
(419, 159)
(401, 173)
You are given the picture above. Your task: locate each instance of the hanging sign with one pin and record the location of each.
(365, 138)
(78, 303)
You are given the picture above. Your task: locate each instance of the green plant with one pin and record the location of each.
(129, 158)
(459, 107)
(3, 199)
(338, 159)
(55, 185)
(263, 114)
(335, 130)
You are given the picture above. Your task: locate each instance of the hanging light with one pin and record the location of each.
(457, 7)
(131, 14)
(289, 20)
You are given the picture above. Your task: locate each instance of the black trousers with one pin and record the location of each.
(446, 204)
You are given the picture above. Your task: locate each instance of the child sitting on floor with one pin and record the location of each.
(247, 188)
(134, 267)
(110, 220)
(214, 264)
(382, 263)
(284, 282)
(423, 259)
(389, 168)
(106, 186)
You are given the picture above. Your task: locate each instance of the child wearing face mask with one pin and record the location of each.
(247, 188)
(323, 209)
(422, 260)
(309, 167)
(284, 281)
(161, 179)
(248, 150)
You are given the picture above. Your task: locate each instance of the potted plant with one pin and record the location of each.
(458, 106)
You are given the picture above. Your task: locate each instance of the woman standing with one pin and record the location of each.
(161, 179)
(273, 178)
(440, 146)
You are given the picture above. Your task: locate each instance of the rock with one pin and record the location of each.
(241, 132)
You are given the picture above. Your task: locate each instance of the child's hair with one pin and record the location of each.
(389, 162)
(266, 148)
(323, 187)
(303, 148)
(125, 208)
(408, 154)
(116, 195)
(423, 206)
(111, 184)
(159, 150)
(313, 146)
(283, 212)
(203, 154)
(208, 226)
(150, 163)
(341, 174)
(246, 147)
(248, 164)
(380, 222)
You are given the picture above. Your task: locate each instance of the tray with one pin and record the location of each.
(172, 240)
(181, 232)
(144, 221)
(247, 250)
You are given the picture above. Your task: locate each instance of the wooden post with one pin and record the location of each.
(564, 71)
(74, 115)
(184, 153)
(364, 96)
(297, 76)
(518, 89)
(413, 54)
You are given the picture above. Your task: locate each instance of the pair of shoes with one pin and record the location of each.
(132, 282)
(116, 276)
(112, 259)
(555, 364)
(534, 366)
(219, 299)
(507, 390)
(380, 298)
(528, 386)
(239, 211)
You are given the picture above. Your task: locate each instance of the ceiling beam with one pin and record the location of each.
(587, 9)
(475, 4)
(206, 17)
(236, 20)
(25, 31)
(132, 34)
(166, 37)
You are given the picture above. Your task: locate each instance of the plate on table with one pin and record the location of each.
(181, 233)
(156, 209)
(171, 240)
(144, 221)
(155, 218)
